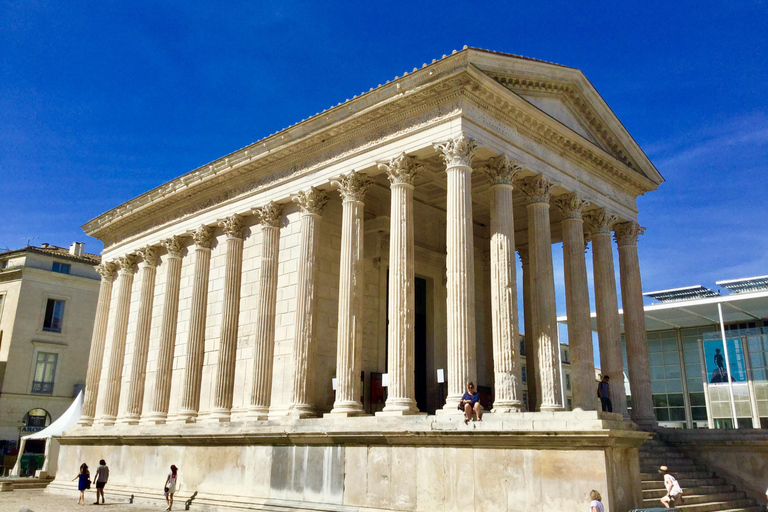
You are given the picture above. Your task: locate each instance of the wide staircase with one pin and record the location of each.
(703, 490)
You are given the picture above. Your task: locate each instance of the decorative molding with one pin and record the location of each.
(174, 245)
(401, 170)
(572, 205)
(627, 233)
(536, 188)
(599, 222)
(203, 236)
(269, 214)
(501, 170)
(106, 270)
(457, 152)
(149, 255)
(311, 202)
(522, 251)
(127, 264)
(233, 226)
(352, 186)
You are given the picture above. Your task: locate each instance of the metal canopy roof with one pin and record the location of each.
(747, 284)
(685, 293)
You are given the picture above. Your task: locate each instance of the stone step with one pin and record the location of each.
(713, 506)
(685, 484)
(700, 499)
(680, 475)
(674, 466)
(704, 489)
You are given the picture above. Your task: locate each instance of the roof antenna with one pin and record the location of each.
(29, 239)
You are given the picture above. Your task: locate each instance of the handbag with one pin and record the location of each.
(165, 489)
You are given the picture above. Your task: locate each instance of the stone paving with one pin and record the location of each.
(37, 501)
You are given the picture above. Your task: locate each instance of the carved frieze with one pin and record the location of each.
(269, 214)
(352, 186)
(149, 255)
(600, 221)
(203, 236)
(401, 170)
(233, 226)
(457, 152)
(311, 202)
(174, 245)
(627, 233)
(501, 170)
(572, 205)
(536, 188)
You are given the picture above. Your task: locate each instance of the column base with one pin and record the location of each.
(257, 413)
(302, 411)
(346, 408)
(185, 417)
(85, 422)
(154, 418)
(219, 416)
(646, 423)
(451, 406)
(132, 419)
(507, 407)
(105, 421)
(400, 406)
(551, 408)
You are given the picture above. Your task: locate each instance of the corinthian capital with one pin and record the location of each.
(501, 170)
(626, 233)
(233, 226)
(457, 152)
(269, 214)
(311, 202)
(537, 188)
(352, 186)
(127, 264)
(572, 205)
(149, 255)
(600, 222)
(401, 169)
(174, 246)
(203, 236)
(522, 251)
(106, 270)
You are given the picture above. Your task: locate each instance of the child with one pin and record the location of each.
(674, 491)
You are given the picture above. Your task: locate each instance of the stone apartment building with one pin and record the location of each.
(47, 307)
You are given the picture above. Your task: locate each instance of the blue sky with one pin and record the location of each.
(102, 101)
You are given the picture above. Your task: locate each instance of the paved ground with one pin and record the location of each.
(37, 501)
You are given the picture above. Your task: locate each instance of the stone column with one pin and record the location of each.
(577, 301)
(164, 372)
(460, 263)
(531, 346)
(264, 345)
(537, 188)
(117, 355)
(225, 368)
(638, 362)
(401, 391)
(311, 203)
(599, 226)
(141, 341)
(193, 375)
(96, 359)
(349, 344)
(506, 359)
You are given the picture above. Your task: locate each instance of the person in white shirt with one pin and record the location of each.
(102, 475)
(674, 491)
(170, 486)
(596, 505)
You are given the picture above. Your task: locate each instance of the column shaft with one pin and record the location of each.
(164, 371)
(117, 354)
(638, 362)
(311, 203)
(99, 337)
(193, 375)
(264, 345)
(225, 368)
(531, 347)
(141, 341)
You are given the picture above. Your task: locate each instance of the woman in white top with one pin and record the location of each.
(170, 486)
(674, 491)
(597, 502)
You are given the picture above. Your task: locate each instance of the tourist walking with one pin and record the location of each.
(170, 486)
(596, 505)
(470, 403)
(83, 482)
(604, 392)
(102, 475)
(674, 491)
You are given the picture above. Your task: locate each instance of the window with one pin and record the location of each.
(3, 264)
(45, 371)
(569, 404)
(54, 315)
(566, 358)
(522, 347)
(568, 381)
(2, 297)
(61, 268)
(524, 376)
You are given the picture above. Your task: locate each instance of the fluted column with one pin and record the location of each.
(401, 390)
(599, 224)
(460, 263)
(96, 358)
(349, 343)
(537, 188)
(311, 203)
(193, 375)
(117, 355)
(531, 347)
(506, 359)
(264, 345)
(638, 362)
(225, 368)
(141, 341)
(167, 346)
(577, 301)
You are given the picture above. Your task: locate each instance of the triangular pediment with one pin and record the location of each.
(557, 107)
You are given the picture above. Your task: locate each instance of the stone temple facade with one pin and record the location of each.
(248, 308)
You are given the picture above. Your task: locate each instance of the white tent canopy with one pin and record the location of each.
(57, 428)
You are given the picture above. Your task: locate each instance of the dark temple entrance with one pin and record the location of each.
(420, 344)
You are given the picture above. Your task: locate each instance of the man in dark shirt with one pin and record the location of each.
(604, 392)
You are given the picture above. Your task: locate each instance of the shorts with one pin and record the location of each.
(100, 485)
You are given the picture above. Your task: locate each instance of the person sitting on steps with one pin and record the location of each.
(470, 403)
